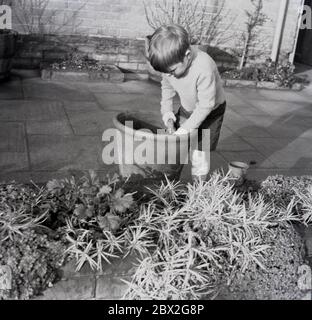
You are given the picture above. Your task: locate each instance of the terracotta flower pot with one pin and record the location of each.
(238, 171)
(166, 153)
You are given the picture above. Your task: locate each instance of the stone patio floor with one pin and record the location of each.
(52, 129)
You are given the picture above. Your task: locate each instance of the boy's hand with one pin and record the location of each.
(167, 117)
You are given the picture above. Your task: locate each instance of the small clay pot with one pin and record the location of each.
(238, 171)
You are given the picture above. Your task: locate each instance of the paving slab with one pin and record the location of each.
(55, 91)
(231, 115)
(12, 137)
(251, 131)
(241, 106)
(225, 133)
(288, 96)
(13, 161)
(281, 108)
(240, 126)
(285, 153)
(21, 110)
(128, 102)
(49, 127)
(143, 87)
(81, 106)
(17, 176)
(248, 93)
(307, 134)
(234, 143)
(120, 266)
(92, 122)
(100, 87)
(258, 160)
(11, 89)
(53, 153)
(111, 288)
(282, 127)
(69, 270)
(81, 288)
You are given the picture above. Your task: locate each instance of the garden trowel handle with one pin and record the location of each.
(170, 126)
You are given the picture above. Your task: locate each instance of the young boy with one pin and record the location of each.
(194, 76)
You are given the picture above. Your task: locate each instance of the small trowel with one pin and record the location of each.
(170, 127)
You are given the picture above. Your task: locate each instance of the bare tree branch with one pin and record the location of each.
(35, 16)
(255, 19)
(193, 15)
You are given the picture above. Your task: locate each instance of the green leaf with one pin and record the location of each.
(104, 190)
(54, 184)
(80, 211)
(109, 222)
(121, 203)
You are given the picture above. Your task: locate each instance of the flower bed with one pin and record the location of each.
(202, 241)
(267, 75)
(81, 68)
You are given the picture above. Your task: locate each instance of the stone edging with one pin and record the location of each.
(115, 75)
(236, 83)
(89, 284)
(112, 74)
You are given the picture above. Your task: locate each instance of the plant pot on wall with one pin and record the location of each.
(8, 40)
(152, 74)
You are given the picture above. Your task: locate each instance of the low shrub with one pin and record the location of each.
(279, 280)
(91, 215)
(41, 228)
(282, 190)
(283, 73)
(203, 237)
(33, 258)
(79, 62)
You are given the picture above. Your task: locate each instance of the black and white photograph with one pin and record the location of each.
(156, 150)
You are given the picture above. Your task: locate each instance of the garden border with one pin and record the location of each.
(115, 75)
(236, 83)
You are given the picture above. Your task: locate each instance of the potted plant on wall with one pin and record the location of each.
(8, 39)
(201, 19)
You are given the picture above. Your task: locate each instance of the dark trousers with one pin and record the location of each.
(213, 122)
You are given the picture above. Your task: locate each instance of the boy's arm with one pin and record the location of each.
(206, 90)
(167, 95)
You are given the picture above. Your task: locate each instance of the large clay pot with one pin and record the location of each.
(7, 51)
(168, 152)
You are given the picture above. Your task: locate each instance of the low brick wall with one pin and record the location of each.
(127, 54)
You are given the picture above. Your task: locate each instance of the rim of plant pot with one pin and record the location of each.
(118, 122)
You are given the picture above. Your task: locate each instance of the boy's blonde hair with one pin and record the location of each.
(168, 46)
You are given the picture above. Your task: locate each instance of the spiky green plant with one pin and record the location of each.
(202, 237)
(304, 202)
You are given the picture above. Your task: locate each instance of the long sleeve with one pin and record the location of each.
(167, 95)
(206, 89)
